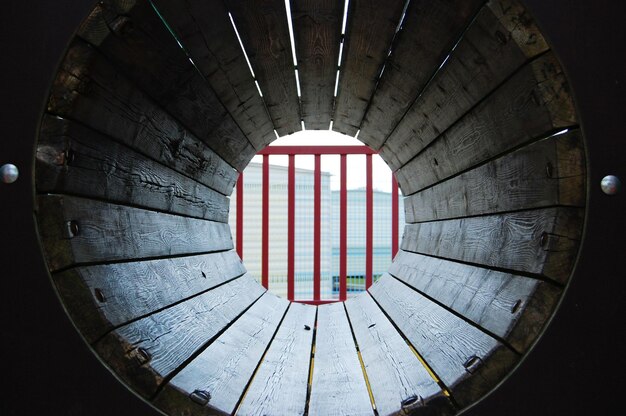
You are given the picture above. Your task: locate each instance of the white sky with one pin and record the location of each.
(356, 163)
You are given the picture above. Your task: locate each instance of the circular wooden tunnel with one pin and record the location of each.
(153, 112)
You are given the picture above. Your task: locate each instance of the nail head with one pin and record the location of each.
(610, 184)
(10, 173)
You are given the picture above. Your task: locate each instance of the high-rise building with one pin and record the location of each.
(304, 220)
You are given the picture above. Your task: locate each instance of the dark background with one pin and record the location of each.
(576, 368)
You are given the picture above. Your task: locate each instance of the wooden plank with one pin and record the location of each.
(543, 242)
(222, 371)
(317, 33)
(533, 103)
(99, 298)
(76, 230)
(370, 30)
(546, 173)
(429, 32)
(469, 362)
(395, 374)
(145, 352)
(493, 47)
(280, 384)
(262, 25)
(91, 165)
(514, 308)
(338, 385)
(89, 90)
(206, 33)
(132, 36)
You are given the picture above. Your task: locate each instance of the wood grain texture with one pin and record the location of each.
(145, 352)
(531, 104)
(395, 373)
(338, 386)
(91, 165)
(543, 242)
(76, 230)
(206, 33)
(430, 30)
(515, 308)
(280, 384)
(262, 25)
(317, 33)
(141, 46)
(370, 29)
(99, 298)
(468, 361)
(490, 51)
(224, 369)
(546, 173)
(89, 90)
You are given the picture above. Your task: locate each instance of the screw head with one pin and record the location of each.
(610, 185)
(10, 173)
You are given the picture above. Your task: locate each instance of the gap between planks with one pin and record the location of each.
(256, 369)
(200, 350)
(421, 359)
(311, 366)
(358, 352)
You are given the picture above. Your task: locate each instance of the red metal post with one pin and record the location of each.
(265, 223)
(240, 215)
(394, 216)
(291, 227)
(369, 222)
(317, 228)
(343, 230)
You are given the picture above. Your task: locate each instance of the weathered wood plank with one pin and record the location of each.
(429, 32)
(223, 370)
(468, 361)
(262, 25)
(338, 386)
(280, 384)
(317, 33)
(145, 352)
(494, 46)
(370, 29)
(133, 37)
(89, 90)
(534, 102)
(546, 173)
(543, 241)
(91, 165)
(395, 374)
(76, 230)
(205, 31)
(515, 308)
(101, 297)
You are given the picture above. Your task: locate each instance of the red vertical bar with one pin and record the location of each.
(291, 227)
(317, 228)
(343, 230)
(265, 223)
(369, 220)
(394, 216)
(240, 215)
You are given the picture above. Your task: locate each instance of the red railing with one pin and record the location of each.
(317, 151)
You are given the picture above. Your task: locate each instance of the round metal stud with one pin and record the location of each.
(10, 173)
(610, 185)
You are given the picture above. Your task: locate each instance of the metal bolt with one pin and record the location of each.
(10, 173)
(200, 397)
(610, 185)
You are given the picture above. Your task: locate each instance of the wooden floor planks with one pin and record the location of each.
(396, 376)
(224, 369)
(468, 361)
(144, 353)
(280, 384)
(338, 386)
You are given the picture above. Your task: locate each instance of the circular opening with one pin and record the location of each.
(157, 107)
